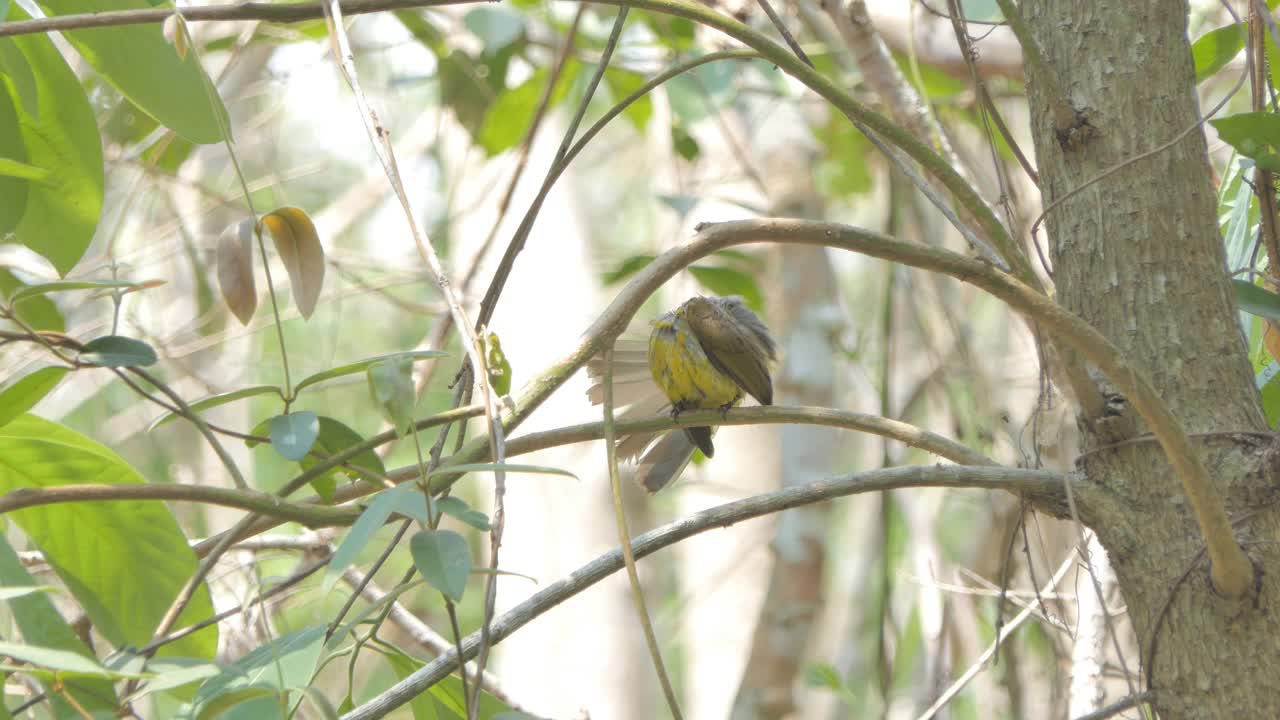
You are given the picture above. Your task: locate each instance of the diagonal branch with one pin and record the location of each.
(1035, 482)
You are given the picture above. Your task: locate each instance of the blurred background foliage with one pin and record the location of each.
(906, 597)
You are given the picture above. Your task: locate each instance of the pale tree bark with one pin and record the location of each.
(807, 309)
(1138, 255)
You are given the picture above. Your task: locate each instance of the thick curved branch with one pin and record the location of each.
(309, 514)
(1232, 572)
(1036, 483)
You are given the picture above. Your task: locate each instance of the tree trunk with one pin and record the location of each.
(1138, 255)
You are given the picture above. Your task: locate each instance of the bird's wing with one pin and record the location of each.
(734, 350)
(735, 306)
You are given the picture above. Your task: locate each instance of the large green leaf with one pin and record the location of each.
(41, 624)
(13, 190)
(1253, 134)
(146, 69)
(123, 561)
(1213, 50)
(23, 394)
(60, 137)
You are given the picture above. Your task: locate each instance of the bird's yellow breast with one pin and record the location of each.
(681, 368)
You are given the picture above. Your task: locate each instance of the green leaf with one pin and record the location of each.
(335, 437)
(705, 89)
(13, 190)
(507, 120)
(171, 673)
(38, 312)
(22, 171)
(684, 144)
(404, 499)
(28, 390)
(293, 435)
(728, 281)
(13, 592)
(362, 365)
(1212, 51)
(842, 172)
(94, 547)
(146, 69)
(622, 83)
(391, 387)
(458, 509)
(1256, 301)
(681, 204)
(1270, 393)
(496, 26)
(444, 700)
(54, 659)
(117, 351)
(443, 559)
(59, 134)
(65, 285)
(626, 269)
(933, 82)
(40, 623)
(213, 401)
(251, 687)
(1254, 134)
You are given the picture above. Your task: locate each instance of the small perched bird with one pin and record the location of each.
(706, 354)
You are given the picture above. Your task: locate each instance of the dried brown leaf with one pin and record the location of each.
(298, 245)
(235, 270)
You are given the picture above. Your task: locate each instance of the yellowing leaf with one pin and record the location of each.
(235, 270)
(299, 248)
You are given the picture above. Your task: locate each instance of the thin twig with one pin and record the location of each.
(1119, 706)
(624, 536)
(784, 32)
(269, 11)
(978, 664)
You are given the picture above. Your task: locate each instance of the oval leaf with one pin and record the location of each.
(362, 365)
(117, 351)
(272, 669)
(391, 386)
(51, 659)
(23, 395)
(90, 546)
(40, 623)
(144, 68)
(458, 509)
(213, 401)
(404, 499)
(299, 248)
(1255, 300)
(443, 559)
(293, 435)
(334, 438)
(235, 270)
(60, 136)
